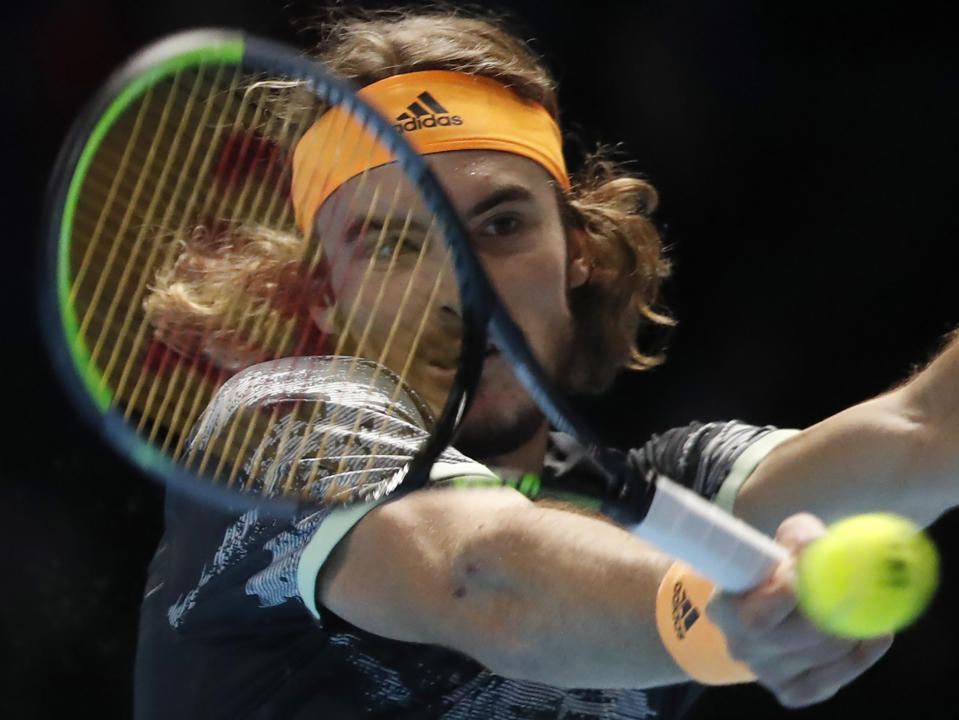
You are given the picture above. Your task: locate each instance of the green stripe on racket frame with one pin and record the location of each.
(87, 360)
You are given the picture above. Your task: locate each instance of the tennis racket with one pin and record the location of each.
(236, 360)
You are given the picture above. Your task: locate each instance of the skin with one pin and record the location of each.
(470, 569)
(508, 205)
(765, 629)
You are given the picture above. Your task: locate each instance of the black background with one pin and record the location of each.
(804, 153)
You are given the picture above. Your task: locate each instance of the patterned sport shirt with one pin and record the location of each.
(230, 627)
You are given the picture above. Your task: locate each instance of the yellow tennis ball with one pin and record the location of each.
(868, 575)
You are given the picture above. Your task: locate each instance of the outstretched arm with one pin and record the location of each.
(533, 593)
(551, 596)
(897, 452)
(567, 600)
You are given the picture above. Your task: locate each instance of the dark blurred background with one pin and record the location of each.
(805, 155)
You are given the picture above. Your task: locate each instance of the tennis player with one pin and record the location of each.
(481, 603)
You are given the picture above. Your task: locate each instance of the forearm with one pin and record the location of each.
(532, 593)
(933, 396)
(897, 452)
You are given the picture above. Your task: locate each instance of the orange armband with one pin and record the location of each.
(695, 643)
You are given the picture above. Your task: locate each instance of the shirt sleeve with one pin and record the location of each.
(357, 451)
(712, 459)
(744, 465)
(226, 576)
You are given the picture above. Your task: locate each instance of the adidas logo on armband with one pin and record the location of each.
(684, 612)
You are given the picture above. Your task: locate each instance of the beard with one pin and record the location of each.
(503, 417)
(491, 434)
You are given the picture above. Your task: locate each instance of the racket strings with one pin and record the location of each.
(231, 431)
(165, 245)
(135, 246)
(373, 453)
(111, 256)
(125, 294)
(306, 434)
(321, 175)
(360, 350)
(205, 158)
(162, 383)
(344, 454)
(155, 390)
(107, 203)
(275, 214)
(234, 314)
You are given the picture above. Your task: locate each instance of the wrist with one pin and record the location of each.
(696, 644)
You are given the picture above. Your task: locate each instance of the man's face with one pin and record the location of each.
(394, 297)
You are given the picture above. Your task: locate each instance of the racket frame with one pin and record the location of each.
(71, 359)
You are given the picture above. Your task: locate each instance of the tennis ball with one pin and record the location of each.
(867, 576)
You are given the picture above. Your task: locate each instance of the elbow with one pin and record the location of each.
(490, 594)
(446, 568)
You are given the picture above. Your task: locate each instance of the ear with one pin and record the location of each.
(320, 298)
(577, 264)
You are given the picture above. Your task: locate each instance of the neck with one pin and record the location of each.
(528, 457)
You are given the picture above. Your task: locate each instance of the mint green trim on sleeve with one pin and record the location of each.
(333, 529)
(745, 464)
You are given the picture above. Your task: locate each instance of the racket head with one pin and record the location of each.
(210, 159)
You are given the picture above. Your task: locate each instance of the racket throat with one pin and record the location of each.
(628, 496)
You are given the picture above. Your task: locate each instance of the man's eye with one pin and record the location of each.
(501, 225)
(385, 248)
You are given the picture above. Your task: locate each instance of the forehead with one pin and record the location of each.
(467, 176)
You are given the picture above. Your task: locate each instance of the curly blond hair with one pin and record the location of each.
(610, 209)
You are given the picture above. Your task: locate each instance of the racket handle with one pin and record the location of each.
(735, 556)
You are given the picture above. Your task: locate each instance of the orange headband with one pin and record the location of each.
(436, 111)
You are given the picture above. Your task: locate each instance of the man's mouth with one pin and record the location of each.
(451, 363)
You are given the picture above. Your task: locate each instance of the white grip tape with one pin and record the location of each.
(733, 555)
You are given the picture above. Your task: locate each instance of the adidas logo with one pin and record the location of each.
(425, 112)
(684, 612)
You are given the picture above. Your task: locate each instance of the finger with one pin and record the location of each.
(759, 610)
(790, 648)
(769, 604)
(794, 648)
(796, 634)
(823, 681)
(797, 531)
